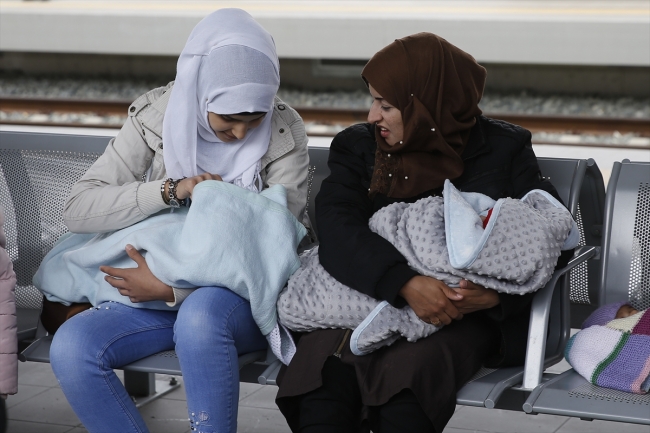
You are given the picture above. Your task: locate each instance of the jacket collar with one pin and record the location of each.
(152, 119)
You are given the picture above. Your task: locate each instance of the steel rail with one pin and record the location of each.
(339, 116)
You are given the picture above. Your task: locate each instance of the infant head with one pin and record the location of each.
(609, 312)
(626, 311)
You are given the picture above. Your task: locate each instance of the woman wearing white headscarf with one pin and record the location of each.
(219, 120)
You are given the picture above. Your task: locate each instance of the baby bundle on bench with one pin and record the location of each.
(444, 238)
(229, 237)
(613, 352)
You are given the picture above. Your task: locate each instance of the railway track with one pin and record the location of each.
(334, 116)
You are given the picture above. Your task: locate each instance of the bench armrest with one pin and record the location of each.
(539, 314)
(270, 374)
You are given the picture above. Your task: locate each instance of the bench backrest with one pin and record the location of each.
(580, 186)
(625, 274)
(586, 202)
(38, 171)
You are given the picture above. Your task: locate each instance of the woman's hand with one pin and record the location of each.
(431, 300)
(138, 284)
(474, 297)
(186, 186)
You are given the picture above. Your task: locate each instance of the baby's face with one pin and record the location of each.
(626, 311)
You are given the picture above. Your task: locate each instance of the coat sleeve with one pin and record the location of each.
(111, 194)
(349, 250)
(8, 323)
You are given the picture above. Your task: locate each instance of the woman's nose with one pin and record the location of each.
(240, 130)
(374, 114)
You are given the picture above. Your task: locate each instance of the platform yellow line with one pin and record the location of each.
(333, 7)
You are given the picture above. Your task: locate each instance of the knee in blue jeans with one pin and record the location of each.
(72, 349)
(205, 313)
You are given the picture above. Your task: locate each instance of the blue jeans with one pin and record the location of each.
(212, 327)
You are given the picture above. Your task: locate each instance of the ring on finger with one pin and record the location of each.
(435, 322)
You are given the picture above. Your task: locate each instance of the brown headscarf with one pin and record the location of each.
(437, 88)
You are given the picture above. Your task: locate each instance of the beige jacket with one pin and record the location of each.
(113, 193)
(8, 326)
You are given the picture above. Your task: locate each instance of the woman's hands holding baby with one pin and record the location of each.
(431, 300)
(186, 186)
(436, 303)
(474, 297)
(138, 284)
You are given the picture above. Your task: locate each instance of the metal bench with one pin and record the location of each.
(624, 276)
(549, 331)
(39, 170)
(577, 184)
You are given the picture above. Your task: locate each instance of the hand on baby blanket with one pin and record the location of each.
(431, 300)
(185, 187)
(474, 297)
(138, 284)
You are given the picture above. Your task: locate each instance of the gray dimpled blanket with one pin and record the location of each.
(442, 238)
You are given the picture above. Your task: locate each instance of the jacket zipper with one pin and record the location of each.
(340, 348)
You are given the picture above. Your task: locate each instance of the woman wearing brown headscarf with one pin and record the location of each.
(424, 126)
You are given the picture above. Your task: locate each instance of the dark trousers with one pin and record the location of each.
(336, 407)
(3, 416)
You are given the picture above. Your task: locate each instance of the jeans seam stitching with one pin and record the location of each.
(240, 302)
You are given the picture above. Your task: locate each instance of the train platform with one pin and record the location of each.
(41, 407)
(546, 32)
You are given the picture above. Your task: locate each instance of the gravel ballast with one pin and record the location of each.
(520, 103)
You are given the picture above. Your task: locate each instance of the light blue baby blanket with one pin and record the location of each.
(229, 237)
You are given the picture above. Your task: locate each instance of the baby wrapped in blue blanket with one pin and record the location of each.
(230, 237)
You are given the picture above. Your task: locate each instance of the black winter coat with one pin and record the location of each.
(499, 162)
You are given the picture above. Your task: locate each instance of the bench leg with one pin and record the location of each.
(142, 386)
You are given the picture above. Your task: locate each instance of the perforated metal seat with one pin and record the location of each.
(624, 276)
(588, 213)
(38, 171)
(488, 386)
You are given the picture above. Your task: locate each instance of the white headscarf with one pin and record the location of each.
(228, 66)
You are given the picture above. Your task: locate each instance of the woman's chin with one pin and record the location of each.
(226, 138)
(390, 141)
